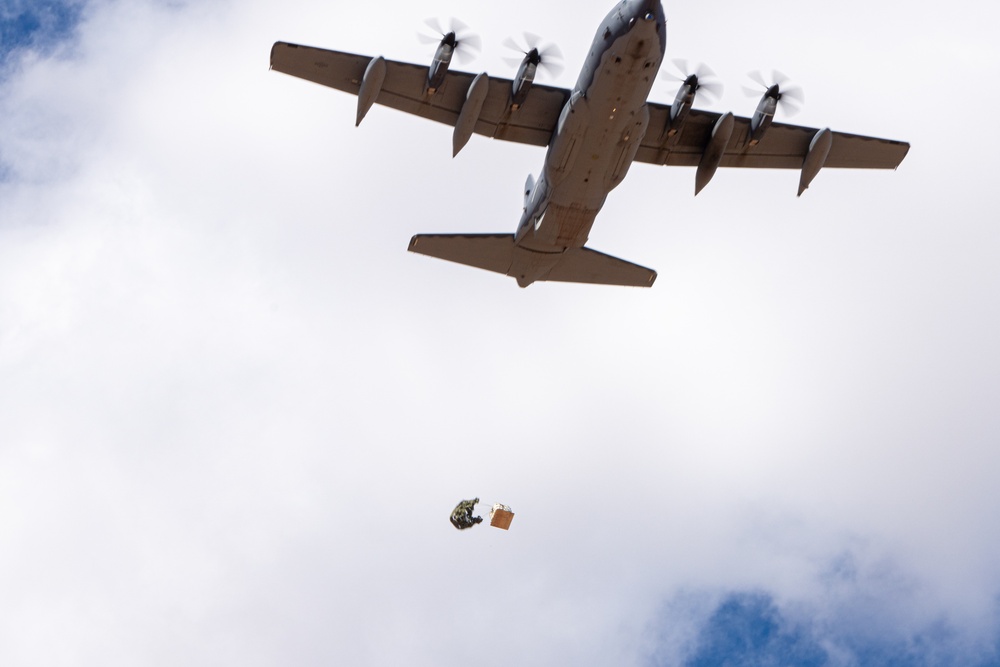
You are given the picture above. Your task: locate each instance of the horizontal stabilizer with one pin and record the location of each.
(497, 253)
(583, 265)
(493, 252)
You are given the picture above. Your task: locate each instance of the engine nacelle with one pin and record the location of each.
(764, 114)
(693, 84)
(525, 78)
(442, 60)
(683, 102)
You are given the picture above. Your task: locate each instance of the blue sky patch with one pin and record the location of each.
(38, 24)
(749, 629)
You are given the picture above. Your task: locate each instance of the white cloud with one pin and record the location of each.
(234, 412)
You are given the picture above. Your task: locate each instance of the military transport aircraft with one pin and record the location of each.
(593, 134)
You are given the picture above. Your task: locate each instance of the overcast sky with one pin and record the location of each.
(235, 412)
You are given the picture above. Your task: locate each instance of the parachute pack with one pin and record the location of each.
(462, 516)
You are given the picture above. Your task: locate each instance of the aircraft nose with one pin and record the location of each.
(648, 9)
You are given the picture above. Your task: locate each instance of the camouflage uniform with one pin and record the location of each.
(461, 516)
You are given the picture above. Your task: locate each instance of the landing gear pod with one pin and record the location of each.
(469, 115)
(371, 86)
(819, 149)
(711, 158)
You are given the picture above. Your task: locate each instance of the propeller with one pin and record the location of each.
(549, 57)
(467, 43)
(790, 97)
(702, 77)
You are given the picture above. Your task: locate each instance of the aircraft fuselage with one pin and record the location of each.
(593, 133)
(599, 131)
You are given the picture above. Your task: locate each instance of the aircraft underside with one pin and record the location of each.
(593, 133)
(595, 141)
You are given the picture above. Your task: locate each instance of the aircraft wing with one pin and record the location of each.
(782, 147)
(404, 89)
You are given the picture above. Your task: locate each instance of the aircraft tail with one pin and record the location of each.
(498, 253)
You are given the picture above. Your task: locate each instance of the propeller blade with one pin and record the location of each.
(549, 56)
(794, 95)
(758, 78)
(790, 96)
(779, 78)
(532, 40)
(553, 69)
(704, 72)
(710, 91)
(709, 87)
(467, 43)
(552, 52)
(435, 25)
(789, 109)
(511, 44)
(470, 41)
